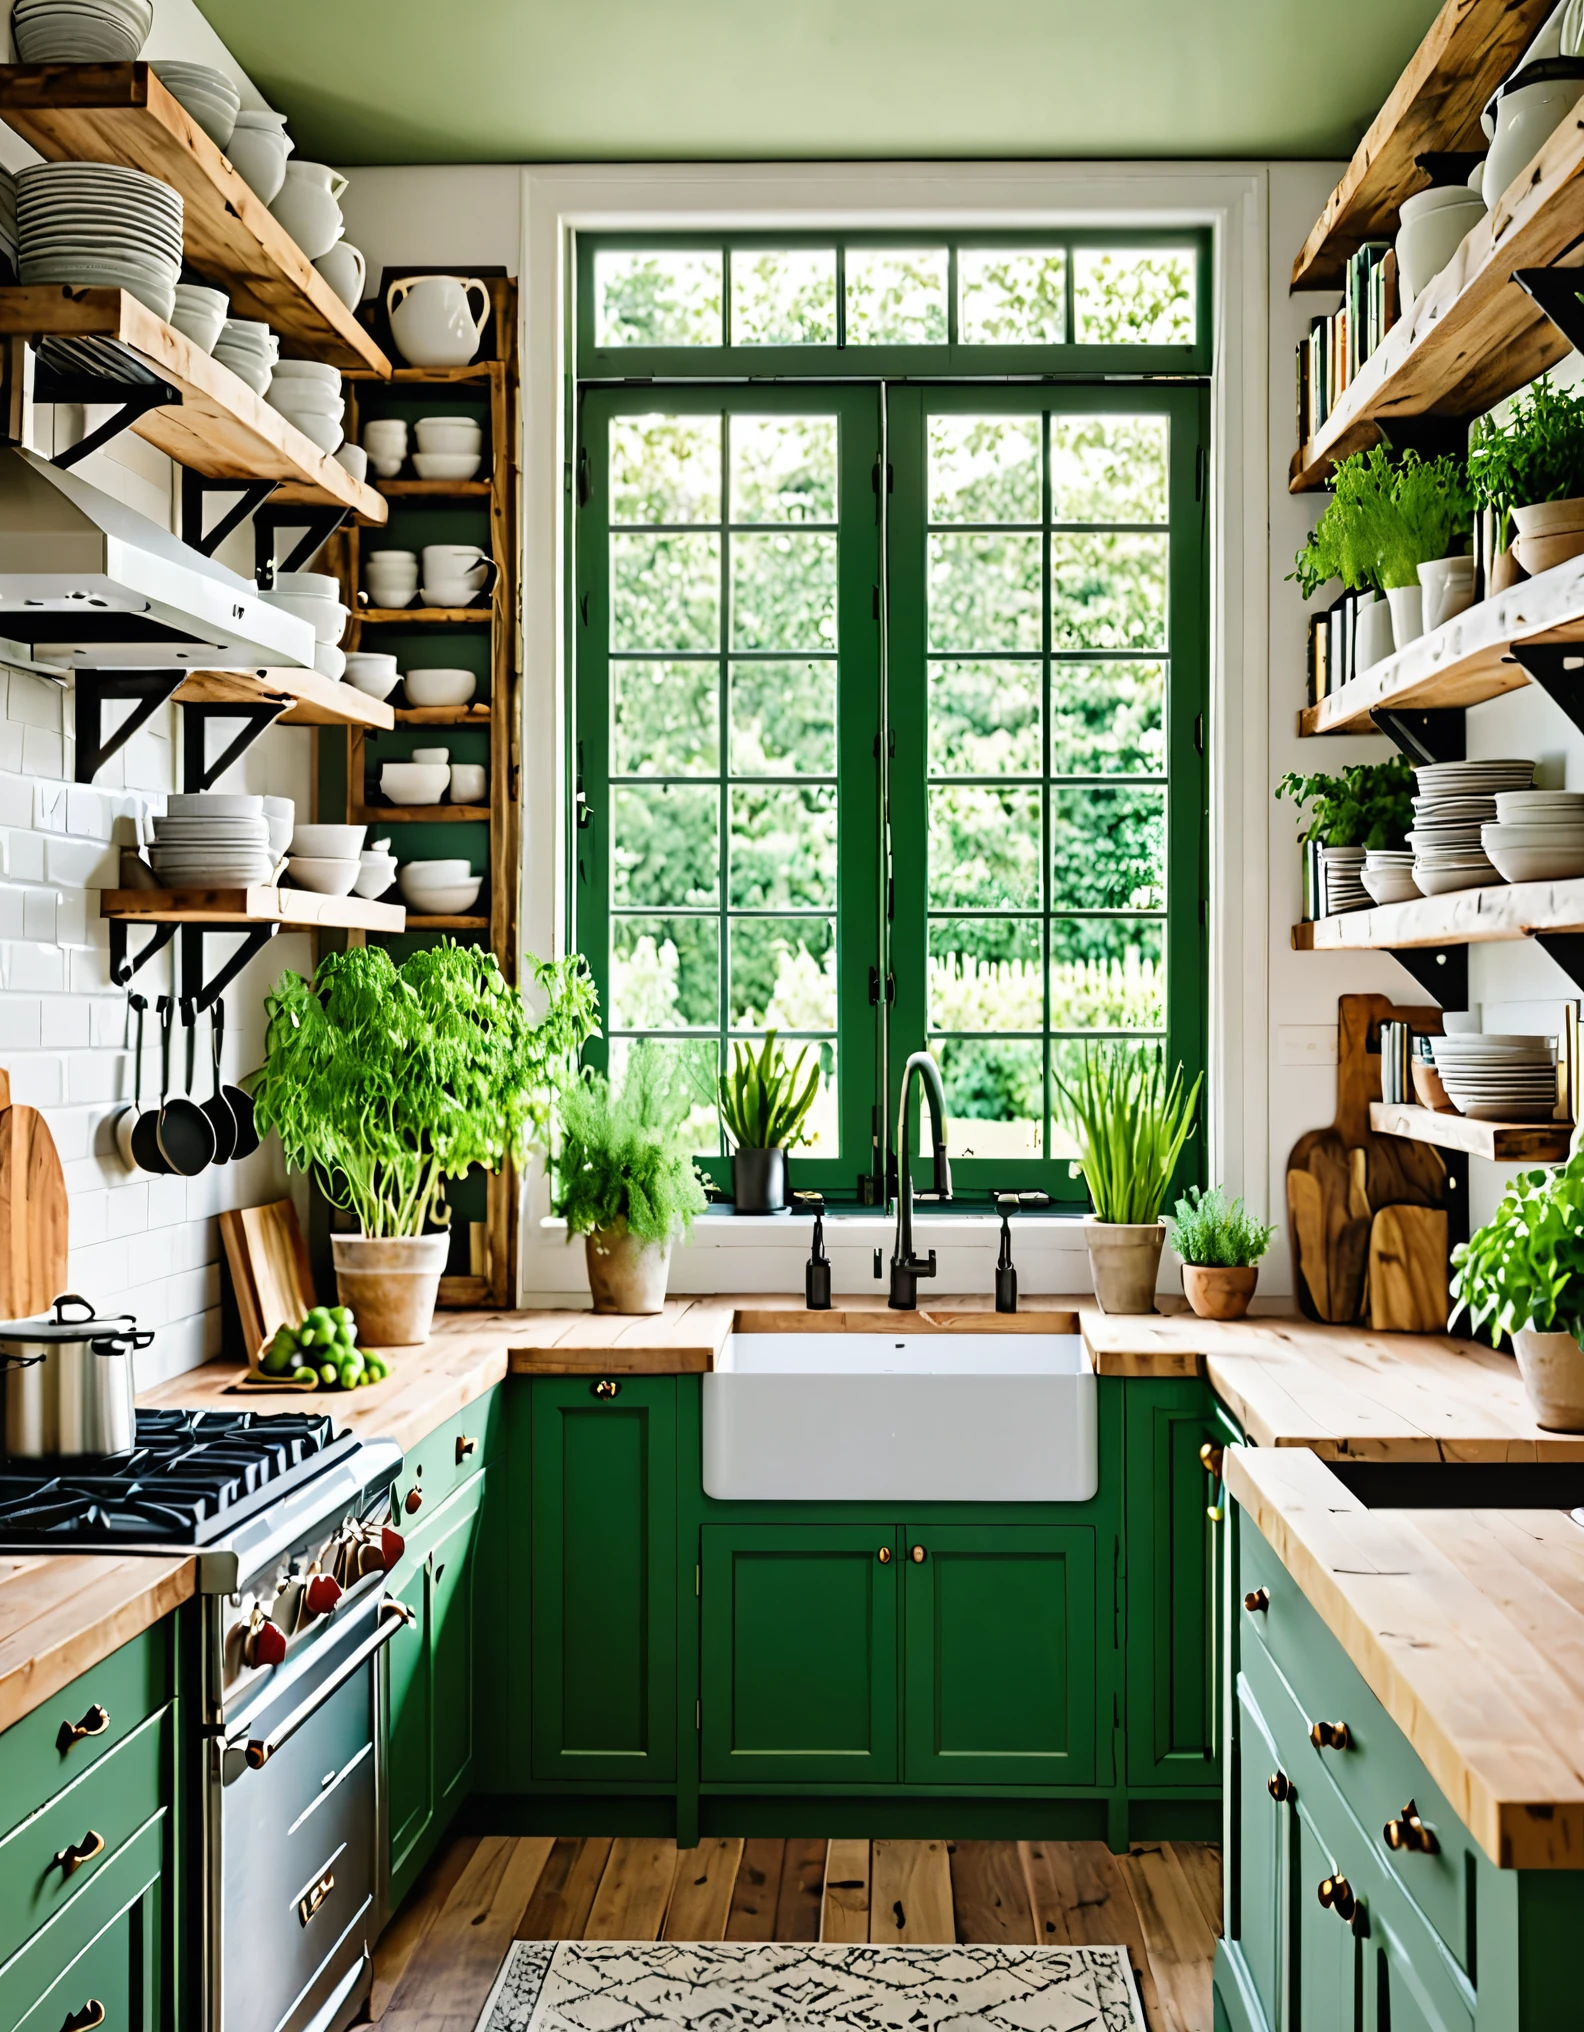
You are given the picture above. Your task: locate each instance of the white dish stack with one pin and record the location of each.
(1538, 835)
(325, 858)
(213, 840)
(1389, 874)
(206, 95)
(314, 597)
(97, 225)
(80, 31)
(1498, 1079)
(250, 349)
(8, 223)
(308, 394)
(1456, 801)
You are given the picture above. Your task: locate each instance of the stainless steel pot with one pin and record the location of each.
(69, 1390)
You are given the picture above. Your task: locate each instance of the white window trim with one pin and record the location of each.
(1231, 199)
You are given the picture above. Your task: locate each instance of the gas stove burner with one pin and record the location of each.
(70, 1508)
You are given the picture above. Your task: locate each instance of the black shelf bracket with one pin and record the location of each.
(149, 688)
(1433, 735)
(1567, 949)
(196, 489)
(1557, 292)
(1441, 970)
(317, 524)
(98, 370)
(1558, 669)
(1429, 436)
(202, 994)
(123, 963)
(198, 772)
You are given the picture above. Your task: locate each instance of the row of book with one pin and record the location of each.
(1336, 347)
(1331, 639)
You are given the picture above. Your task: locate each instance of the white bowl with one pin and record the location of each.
(374, 877)
(1567, 831)
(354, 458)
(372, 674)
(323, 431)
(447, 465)
(1447, 881)
(439, 687)
(431, 755)
(469, 782)
(324, 877)
(448, 433)
(305, 398)
(329, 842)
(1390, 885)
(440, 899)
(214, 804)
(327, 618)
(450, 594)
(309, 585)
(330, 661)
(310, 370)
(1537, 864)
(426, 874)
(411, 783)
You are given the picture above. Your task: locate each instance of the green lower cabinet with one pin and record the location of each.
(106, 1959)
(1326, 1954)
(999, 1650)
(410, 1718)
(453, 1563)
(1256, 1919)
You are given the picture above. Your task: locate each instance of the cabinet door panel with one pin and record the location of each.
(604, 1580)
(799, 1640)
(451, 1567)
(1260, 1834)
(410, 1706)
(1327, 1967)
(999, 1685)
(1170, 1683)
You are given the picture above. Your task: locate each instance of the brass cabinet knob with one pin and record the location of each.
(1279, 1786)
(1210, 1458)
(1336, 1894)
(464, 1447)
(69, 1860)
(1408, 1831)
(1330, 1736)
(91, 2015)
(1257, 1601)
(884, 1555)
(93, 1723)
(605, 1389)
(919, 1555)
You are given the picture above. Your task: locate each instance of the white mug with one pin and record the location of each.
(447, 560)
(468, 782)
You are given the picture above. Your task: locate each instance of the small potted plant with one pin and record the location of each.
(1368, 808)
(764, 1103)
(1524, 1272)
(1130, 1124)
(1384, 521)
(1219, 1247)
(625, 1180)
(1529, 472)
(1427, 530)
(1342, 545)
(386, 1082)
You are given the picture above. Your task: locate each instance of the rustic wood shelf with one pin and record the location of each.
(448, 924)
(475, 715)
(220, 428)
(1501, 1142)
(417, 814)
(428, 617)
(1466, 917)
(260, 904)
(436, 377)
(1435, 105)
(316, 701)
(121, 113)
(434, 490)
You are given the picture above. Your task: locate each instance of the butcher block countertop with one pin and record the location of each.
(62, 1612)
(1468, 1626)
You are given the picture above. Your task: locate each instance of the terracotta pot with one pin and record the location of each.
(1428, 1089)
(1217, 1291)
(624, 1274)
(1552, 1367)
(391, 1283)
(1124, 1259)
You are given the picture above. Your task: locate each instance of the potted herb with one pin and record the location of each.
(625, 1180)
(385, 1083)
(1384, 521)
(1219, 1247)
(1524, 1273)
(1368, 807)
(1529, 472)
(1130, 1124)
(763, 1109)
(1343, 545)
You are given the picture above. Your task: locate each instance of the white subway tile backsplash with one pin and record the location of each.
(38, 915)
(24, 856)
(84, 864)
(44, 754)
(34, 701)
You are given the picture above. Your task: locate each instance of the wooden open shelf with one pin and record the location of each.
(1435, 105)
(476, 714)
(259, 905)
(316, 701)
(1466, 917)
(221, 428)
(448, 924)
(1501, 1142)
(436, 377)
(434, 490)
(121, 113)
(428, 617)
(416, 814)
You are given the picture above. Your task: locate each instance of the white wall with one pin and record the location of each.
(464, 216)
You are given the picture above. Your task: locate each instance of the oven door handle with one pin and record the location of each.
(393, 1617)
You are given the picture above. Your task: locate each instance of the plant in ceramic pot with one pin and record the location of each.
(625, 1180)
(1368, 807)
(385, 1083)
(1523, 1271)
(1383, 522)
(1529, 472)
(764, 1103)
(1219, 1247)
(1130, 1123)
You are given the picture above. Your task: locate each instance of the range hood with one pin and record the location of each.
(87, 583)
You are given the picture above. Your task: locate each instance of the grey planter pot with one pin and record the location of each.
(759, 1181)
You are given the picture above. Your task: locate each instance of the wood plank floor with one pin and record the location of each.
(1162, 1902)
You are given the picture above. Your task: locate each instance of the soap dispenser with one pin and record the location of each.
(817, 1270)
(1006, 1275)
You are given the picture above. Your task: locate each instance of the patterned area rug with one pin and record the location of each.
(742, 1986)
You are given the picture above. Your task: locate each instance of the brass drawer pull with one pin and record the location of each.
(884, 1555)
(413, 1502)
(919, 1555)
(1211, 1457)
(605, 1389)
(1279, 1786)
(1408, 1831)
(91, 2014)
(1331, 1736)
(464, 1447)
(309, 1904)
(1257, 1601)
(70, 1860)
(1336, 1895)
(93, 1723)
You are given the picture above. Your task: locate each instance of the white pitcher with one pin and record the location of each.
(308, 206)
(432, 320)
(346, 271)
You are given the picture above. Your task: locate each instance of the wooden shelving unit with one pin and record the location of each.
(428, 617)
(315, 701)
(476, 715)
(419, 814)
(222, 908)
(1501, 1142)
(1466, 917)
(121, 113)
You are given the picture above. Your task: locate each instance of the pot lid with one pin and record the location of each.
(61, 1325)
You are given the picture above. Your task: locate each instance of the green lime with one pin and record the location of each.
(341, 1314)
(327, 1372)
(304, 1375)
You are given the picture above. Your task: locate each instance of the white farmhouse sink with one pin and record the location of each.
(908, 1418)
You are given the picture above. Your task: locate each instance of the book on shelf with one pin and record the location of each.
(1396, 1051)
(1319, 684)
(1331, 355)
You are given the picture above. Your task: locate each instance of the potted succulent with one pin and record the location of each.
(1367, 808)
(1219, 1247)
(625, 1180)
(1384, 522)
(1130, 1124)
(763, 1109)
(1524, 1272)
(384, 1083)
(1529, 473)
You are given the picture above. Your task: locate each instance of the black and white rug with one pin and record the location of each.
(743, 1986)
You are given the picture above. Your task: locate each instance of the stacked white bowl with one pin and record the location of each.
(449, 447)
(258, 150)
(80, 31)
(250, 349)
(372, 671)
(385, 441)
(454, 574)
(409, 783)
(205, 94)
(1389, 874)
(324, 858)
(440, 888)
(390, 577)
(376, 870)
(1456, 801)
(200, 314)
(439, 686)
(1538, 835)
(1498, 1079)
(308, 394)
(314, 597)
(95, 224)
(212, 839)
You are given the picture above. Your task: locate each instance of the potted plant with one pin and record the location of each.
(385, 1083)
(1384, 522)
(1342, 546)
(1529, 472)
(1220, 1247)
(625, 1180)
(1368, 807)
(1524, 1272)
(1130, 1124)
(1428, 529)
(763, 1109)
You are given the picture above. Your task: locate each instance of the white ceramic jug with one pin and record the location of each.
(432, 319)
(307, 205)
(257, 151)
(346, 271)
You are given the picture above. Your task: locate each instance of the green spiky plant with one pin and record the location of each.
(1205, 1231)
(624, 1164)
(1130, 1123)
(762, 1105)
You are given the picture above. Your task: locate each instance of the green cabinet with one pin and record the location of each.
(453, 1598)
(1261, 1816)
(604, 1571)
(409, 1717)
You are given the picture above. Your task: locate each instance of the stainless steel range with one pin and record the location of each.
(292, 1526)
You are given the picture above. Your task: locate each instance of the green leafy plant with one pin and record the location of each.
(1432, 516)
(624, 1162)
(1130, 1124)
(1383, 521)
(1369, 805)
(385, 1082)
(1525, 1267)
(1536, 455)
(762, 1106)
(1203, 1229)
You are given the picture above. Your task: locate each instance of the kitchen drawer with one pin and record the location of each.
(443, 1459)
(1374, 1777)
(106, 1945)
(39, 1754)
(99, 1811)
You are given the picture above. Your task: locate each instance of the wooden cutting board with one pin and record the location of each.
(1408, 1254)
(33, 1211)
(269, 1268)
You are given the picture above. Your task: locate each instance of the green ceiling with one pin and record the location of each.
(643, 80)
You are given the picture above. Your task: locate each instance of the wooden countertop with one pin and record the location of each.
(62, 1612)
(1468, 1626)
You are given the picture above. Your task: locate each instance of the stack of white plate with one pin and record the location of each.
(8, 221)
(1498, 1079)
(1456, 800)
(97, 225)
(1539, 835)
(211, 840)
(206, 94)
(308, 394)
(1389, 874)
(80, 31)
(250, 349)
(1342, 869)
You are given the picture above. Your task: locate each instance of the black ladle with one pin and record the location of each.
(238, 1099)
(186, 1134)
(146, 1153)
(218, 1107)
